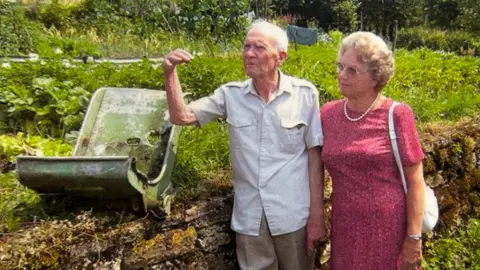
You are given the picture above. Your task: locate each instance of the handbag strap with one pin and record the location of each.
(393, 140)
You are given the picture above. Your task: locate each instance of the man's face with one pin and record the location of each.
(260, 55)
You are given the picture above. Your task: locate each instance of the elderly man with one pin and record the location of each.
(275, 137)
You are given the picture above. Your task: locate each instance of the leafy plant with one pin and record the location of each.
(50, 97)
(17, 203)
(458, 249)
(45, 105)
(12, 146)
(459, 42)
(202, 153)
(17, 34)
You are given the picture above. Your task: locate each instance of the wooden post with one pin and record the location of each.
(395, 37)
(361, 19)
(265, 11)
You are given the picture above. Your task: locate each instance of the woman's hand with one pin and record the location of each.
(410, 258)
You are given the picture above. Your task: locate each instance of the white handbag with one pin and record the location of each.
(430, 216)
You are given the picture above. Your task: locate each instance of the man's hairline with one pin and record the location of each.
(275, 41)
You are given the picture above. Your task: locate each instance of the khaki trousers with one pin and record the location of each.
(284, 252)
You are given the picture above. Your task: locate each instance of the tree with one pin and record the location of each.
(411, 13)
(345, 15)
(469, 18)
(442, 13)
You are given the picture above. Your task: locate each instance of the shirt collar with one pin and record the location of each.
(285, 85)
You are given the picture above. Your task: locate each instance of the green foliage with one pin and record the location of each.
(221, 19)
(20, 36)
(458, 249)
(469, 19)
(54, 15)
(120, 28)
(438, 86)
(346, 17)
(380, 15)
(202, 153)
(50, 99)
(17, 34)
(17, 203)
(47, 104)
(336, 36)
(204, 74)
(21, 144)
(78, 46)
(104, 17)
(452, 41)
(442, 13)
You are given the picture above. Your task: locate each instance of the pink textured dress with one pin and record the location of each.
(368, 201)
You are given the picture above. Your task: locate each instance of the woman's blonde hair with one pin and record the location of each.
(373, 51)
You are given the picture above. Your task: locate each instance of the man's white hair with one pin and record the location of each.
(272, 30)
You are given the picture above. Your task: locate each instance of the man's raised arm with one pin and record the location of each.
(179, 113)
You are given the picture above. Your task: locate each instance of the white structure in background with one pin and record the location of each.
(33, 57)
(251, 16)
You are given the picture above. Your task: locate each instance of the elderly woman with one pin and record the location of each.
(375, 225)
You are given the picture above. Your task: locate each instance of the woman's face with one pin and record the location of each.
(354, 80)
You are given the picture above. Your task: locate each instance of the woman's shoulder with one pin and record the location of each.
(402, 110)
(331, 106)
(403, 114)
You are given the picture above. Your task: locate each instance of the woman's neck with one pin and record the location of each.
(362, 103)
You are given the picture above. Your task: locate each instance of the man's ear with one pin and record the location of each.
(283, 57)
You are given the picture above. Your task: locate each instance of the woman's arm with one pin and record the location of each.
(415, 198)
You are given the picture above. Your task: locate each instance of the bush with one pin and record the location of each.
(118, 26)
(101, 16)
(54, 15)
(336, 36)
(450, 41)
(459, 249)
(17, 34)
(220, 19)
(462, 42)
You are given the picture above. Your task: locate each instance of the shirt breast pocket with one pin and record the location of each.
(292, 134)
(241, 130)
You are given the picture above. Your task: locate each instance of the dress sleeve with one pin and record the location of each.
(408, 141)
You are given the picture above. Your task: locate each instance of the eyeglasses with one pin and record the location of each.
(350, 71)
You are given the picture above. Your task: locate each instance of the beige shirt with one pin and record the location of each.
(268, 150)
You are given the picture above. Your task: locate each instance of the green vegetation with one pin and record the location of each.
(12, 146)
(457, 249)
(460, 42)
(17, 203)
(119, 29)
(48, 98)
(102, 28)
(203, 161)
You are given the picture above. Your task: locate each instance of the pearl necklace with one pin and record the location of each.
(361, 116)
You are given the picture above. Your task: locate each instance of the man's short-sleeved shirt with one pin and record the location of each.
(268, 150)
